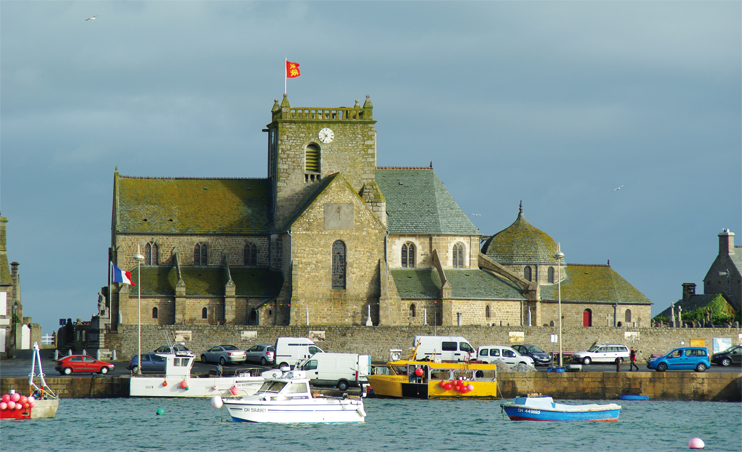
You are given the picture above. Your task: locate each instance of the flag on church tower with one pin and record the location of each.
(120, 276)
(292, 69)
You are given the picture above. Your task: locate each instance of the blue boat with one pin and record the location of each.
(541, 408)
(634, 397)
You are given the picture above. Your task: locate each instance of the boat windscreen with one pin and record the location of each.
(272, 386)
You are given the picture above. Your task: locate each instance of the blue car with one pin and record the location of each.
(695, 358)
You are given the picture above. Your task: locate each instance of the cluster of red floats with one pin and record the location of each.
(457, 385)
(16, 406)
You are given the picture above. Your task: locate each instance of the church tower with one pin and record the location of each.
(305, 145)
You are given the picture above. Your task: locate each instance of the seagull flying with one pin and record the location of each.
(90, 18)
(476, 214)
(617, 188)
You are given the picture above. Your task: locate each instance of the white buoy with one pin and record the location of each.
(216, 402)
(696, 443)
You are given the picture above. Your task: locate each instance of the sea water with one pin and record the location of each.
(132, 424)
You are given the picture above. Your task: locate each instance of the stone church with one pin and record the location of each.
(330, 238)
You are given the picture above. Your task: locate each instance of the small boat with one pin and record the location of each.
(543, 408)
(178, 381)
(41, 401)
(634, 397)
(288, 399)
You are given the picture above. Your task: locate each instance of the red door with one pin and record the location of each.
(587, 318)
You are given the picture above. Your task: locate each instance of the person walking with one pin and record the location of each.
(632, 358)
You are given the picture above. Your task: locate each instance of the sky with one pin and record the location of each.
(554, 104)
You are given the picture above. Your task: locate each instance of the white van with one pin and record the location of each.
(443, 348)
(336, 369)
(291, 350)
(491, 353)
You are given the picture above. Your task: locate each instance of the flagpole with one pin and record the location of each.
(285, 62)
(139, 258)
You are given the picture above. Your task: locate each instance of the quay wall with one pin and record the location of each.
(377, 340)
(573, 385)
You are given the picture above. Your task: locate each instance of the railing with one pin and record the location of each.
(47, 339)
(326, 114)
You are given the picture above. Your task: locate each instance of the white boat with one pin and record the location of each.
(178, 381)
(287, 399)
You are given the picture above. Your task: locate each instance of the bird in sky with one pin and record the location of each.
(617, 188)
(90, 18)
(476, 214)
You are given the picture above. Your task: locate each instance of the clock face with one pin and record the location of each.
(326, 135)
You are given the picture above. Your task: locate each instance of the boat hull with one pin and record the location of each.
(544, 409)
(170, 386)
(288, 412)
(42, 409)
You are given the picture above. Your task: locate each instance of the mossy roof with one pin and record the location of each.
(593, 284)
(466, 284)
(520, 242)
(209, 281)
(192, 206)
(417, 202)
(716, 302)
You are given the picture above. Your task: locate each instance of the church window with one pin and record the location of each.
(487, 311)
(150, 253)
(199, 254)
(251, 255)
(408, 255)
(627, 316)
(551, 274)
(458, 255)
(204, 313)
(154, 313)
(338, 265)
(527, 273)
(312, 163)
(412, 310)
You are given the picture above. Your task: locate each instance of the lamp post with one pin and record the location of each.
(139, 258)
(559, 256)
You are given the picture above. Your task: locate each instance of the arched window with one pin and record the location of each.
(251, 255)
(150, 253)
(199, 254)
(408, 255)
(627, 316)
(458, 255)
(312, 163)
(487, 311)
(154, 313)
(412, 310)
(587, 318)
(527, 273)
(551, 274)
(253, 320)
(204, 313)
(338, 265)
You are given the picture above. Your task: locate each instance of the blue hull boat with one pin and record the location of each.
(545, 409)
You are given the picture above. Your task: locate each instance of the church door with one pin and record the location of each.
(587, 318)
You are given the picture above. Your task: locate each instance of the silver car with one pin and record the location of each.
(223, 354)
(261, 353)
(606, 353)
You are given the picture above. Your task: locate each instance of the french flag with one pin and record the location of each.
(120, 276)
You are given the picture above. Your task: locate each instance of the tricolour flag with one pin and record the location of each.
(292, 69)
(120, 276)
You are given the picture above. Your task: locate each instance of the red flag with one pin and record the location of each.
(292, 70)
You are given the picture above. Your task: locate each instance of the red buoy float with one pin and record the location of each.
(183, 384)
(419, 372)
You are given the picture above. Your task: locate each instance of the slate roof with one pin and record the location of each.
(520, 243)
(192, 206)
(417, 202)
(466, 284)
(309, 199)
(593, 284)
(209, 281)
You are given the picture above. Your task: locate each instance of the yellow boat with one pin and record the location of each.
(433, 380)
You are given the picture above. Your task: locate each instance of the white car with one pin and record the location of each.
(603, 353)
(491, 353)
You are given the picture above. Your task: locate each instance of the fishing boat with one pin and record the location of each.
(178, 381)
(287, 399)
(41, 402)
(433, 380)
(543, 408)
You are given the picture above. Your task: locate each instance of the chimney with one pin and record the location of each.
(689, 289)
(726, 242)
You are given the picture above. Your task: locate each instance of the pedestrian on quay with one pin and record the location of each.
(632, 358)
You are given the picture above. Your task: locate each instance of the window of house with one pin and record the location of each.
(204, 313)
(199, 254)
(154, 313)
(251, 255)
(527, 273)
(458, 255)
(338, 265)
(408, 255)
(150, 254)
(551, 274)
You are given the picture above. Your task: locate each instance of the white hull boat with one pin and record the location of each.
(288, 399)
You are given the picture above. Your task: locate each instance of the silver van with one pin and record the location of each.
(603, 353)
(491, 353)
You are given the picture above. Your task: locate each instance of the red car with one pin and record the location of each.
(82, 363)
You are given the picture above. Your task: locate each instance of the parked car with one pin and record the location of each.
(261, 353)
(540, 357)
(82, 363)
(732, 355)
(606, 353)
(696, 358)
(150, 363)
(223, 354)
(179, 349)
(504, 353)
